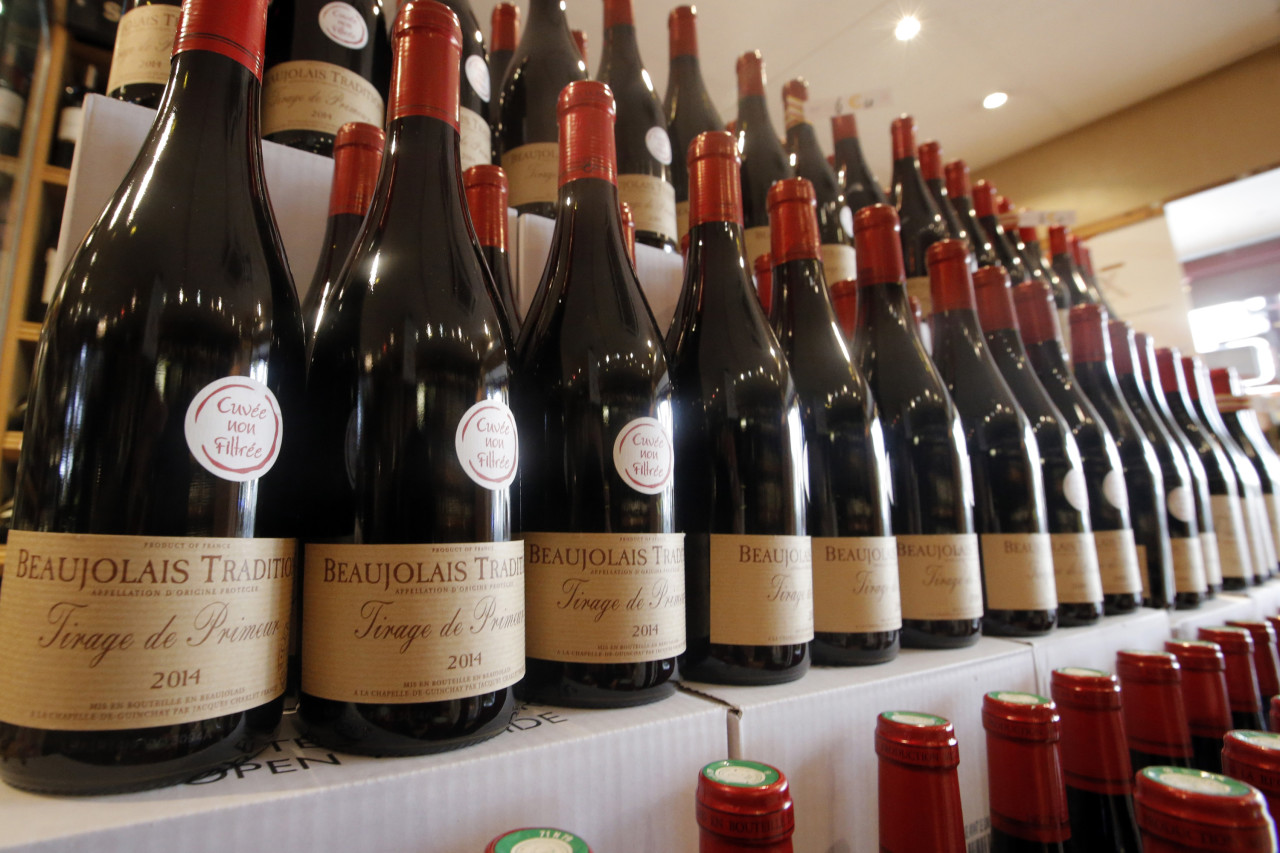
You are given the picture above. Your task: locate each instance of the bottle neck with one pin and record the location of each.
(621, 53)
(714, 247)
(800, 298)
(753, 115)
(204, 85)
(546, 13)
(419, 176)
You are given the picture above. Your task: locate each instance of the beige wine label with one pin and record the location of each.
(1273, 516)
(1076, 574)
(682, 218)
(653, 203)
(757, 242)
(317, 96)
(1018, 571)
(412, 623)
(1212, 559)
(919, 287)
(839, 262)
(1118, 562)
(1142, 571)
(100, 633)
(144, 46)
(533, 173)
(1188, 564)
(941, 576)
(476, 146)
(761, 590)
(855, 584)
(604, 597)
(1233, 542)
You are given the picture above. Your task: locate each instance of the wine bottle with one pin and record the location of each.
(1155, 720)
(960, 196)
(1095, 761)
(921, 221)
(71, 118)
(144, 46)
(357, 157)
(1075, 557)
(1207, 531)
(1083, 261)
(475, 90)
(1243, 427)
(125, 463)
(504, 35)
(918, 756)
(739, 451)
(984, 205)
(925, 442)
(859, 187)
(764, 161)
(1265, 663)
(1103, 470)
(1078, 290)
(20, 31)
(1225, 497)
(744, 805)
(1200, 392)
(628, 220)
(930, 154)
(545, 61)
(688, 108)
(857, 616)
(1024, 774)
(1180, 507)
(644, 149)
(1033, 257)
(1204, 697)
(1008, 485)
(538, 838)
(392, 489)
(1176, 804)
(1143, 477)
(594, 405)
(1251, 757)
(1243, 693)
(835, 220)
(486, 189)
(764, 282)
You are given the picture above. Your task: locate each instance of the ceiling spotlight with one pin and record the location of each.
(995, 100)
(908, 28)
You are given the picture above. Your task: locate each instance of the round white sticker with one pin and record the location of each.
(234, 428)
(1076, 489)
(736, 774)
(343, 24)
(644, 456)
(659, 145)
(1197, 784)
(487, 444)
(846, 220)
(1182, 505)
(542, 845)
(1113, 487)
(478, 75)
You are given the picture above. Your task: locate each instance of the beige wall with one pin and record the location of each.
(1213, 129)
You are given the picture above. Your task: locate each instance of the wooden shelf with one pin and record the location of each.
(55, 175)
(28, 332)
(8, 165)
(11, 446)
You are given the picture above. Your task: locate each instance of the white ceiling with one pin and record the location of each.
(1064, 63)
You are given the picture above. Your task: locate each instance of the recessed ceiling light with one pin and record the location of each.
(995, 100)
(908, 28)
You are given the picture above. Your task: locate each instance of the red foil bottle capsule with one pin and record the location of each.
(1024, 773)
(744, 805)
(1254, 757)
(1191, 811)
(1155, 721)
(1242, 676)
(1204, 696)
(1265, 662)
(537, 839)
(764, 281)
(1095, 761)
(918, 756)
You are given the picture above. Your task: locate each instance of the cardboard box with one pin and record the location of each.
(297, 181)
(1095, 646)
(623, 779)
(1216, 611)
(820, 732)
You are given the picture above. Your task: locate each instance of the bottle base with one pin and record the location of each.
(1187, 601)
(1118, 603)
(718, 663)
(940, 634)
(401, 730)
(80, 764)
(1078, 615)
(1234, 584)
(657, 241)
(1019, 623)
(592, 685)
(830, 649)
